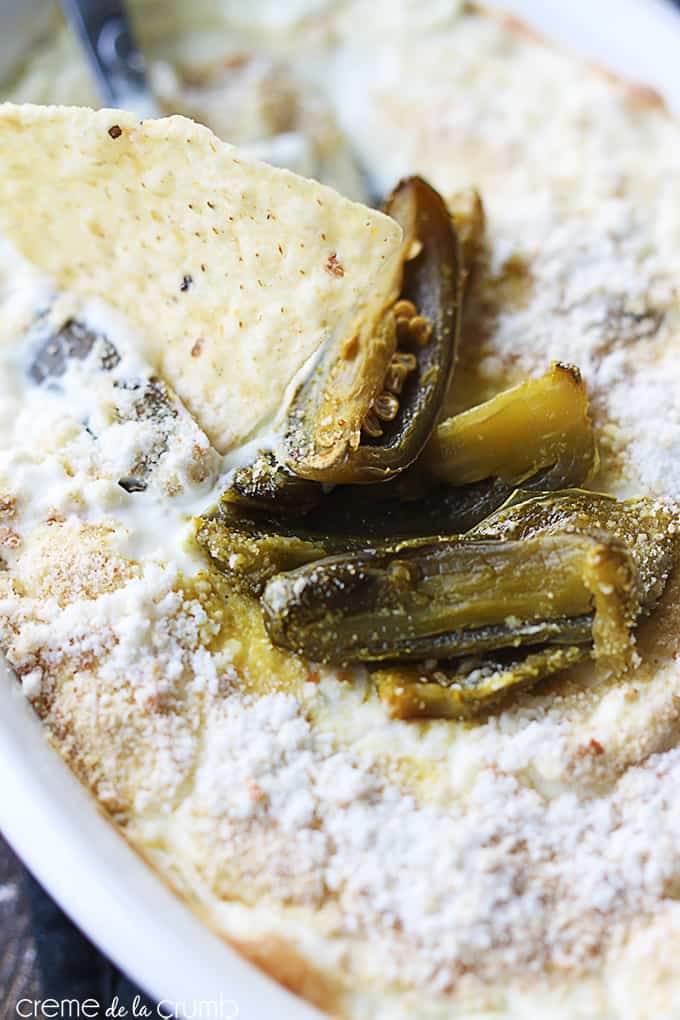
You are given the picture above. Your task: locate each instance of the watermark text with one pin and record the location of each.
(93, 1009)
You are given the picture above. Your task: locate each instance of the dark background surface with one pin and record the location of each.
(18, 974)
(41, 953)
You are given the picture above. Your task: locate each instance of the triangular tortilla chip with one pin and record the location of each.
(231, 271)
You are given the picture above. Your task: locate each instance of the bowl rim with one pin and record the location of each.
(55, 826)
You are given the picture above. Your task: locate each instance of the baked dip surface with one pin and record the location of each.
(520, 862)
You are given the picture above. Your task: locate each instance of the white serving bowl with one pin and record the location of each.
(51, 820)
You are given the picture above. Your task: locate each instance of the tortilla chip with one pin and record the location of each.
(232, 272)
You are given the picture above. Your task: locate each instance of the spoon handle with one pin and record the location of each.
(104, 30)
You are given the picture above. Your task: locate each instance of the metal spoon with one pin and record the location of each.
(118, 65)
(104, 30)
